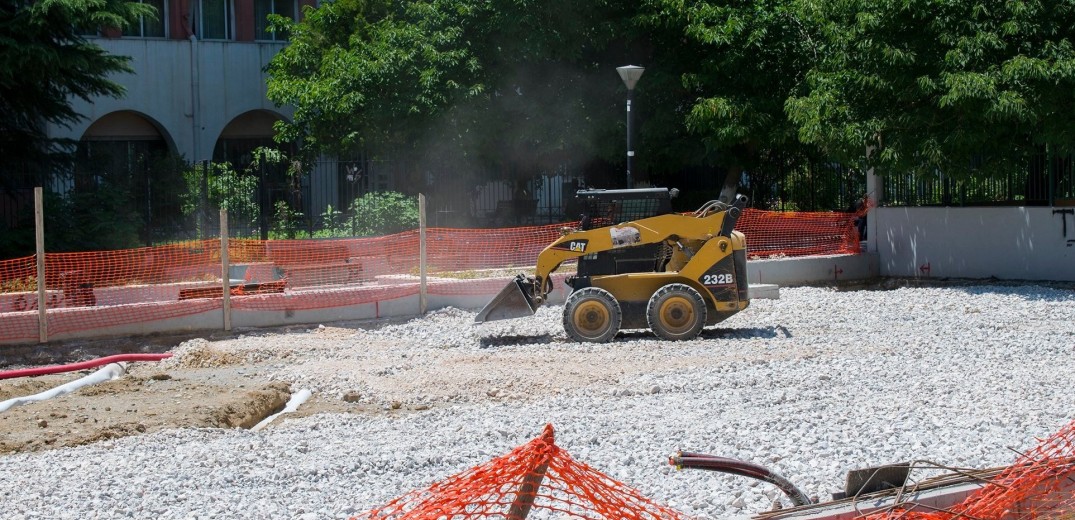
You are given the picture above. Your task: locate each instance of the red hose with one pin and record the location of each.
(59, 369)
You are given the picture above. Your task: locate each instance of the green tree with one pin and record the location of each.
(966, 88)
(504, 85)
(521, 85)
(44, 63)
(361, 71)
(738, 62)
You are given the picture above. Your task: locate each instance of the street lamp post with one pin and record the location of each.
(630, 75)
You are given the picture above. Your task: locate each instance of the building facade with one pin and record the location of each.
(199, 82)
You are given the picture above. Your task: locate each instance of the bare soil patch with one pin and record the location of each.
(132, 404)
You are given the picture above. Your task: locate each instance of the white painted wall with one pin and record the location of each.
(190, 105)
(1012, 243)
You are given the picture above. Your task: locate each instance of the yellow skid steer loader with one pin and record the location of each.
(639, 266)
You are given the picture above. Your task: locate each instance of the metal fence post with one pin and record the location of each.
(263, 199)
(1050, 177)
(39, 225)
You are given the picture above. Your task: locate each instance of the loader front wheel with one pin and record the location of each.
(592, 315)
(676, 312)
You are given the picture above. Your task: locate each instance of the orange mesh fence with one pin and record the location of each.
(470, 249)
(105, 289)
(318, 274)
(18, 300)
(775, 234)
(537, 476)
(1040, 484)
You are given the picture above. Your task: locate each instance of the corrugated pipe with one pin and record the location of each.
(115, 366)
(107, 373)
(93, 363)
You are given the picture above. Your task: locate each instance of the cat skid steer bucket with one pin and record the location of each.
(513, 301)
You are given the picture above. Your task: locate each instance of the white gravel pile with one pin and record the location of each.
(811, 385)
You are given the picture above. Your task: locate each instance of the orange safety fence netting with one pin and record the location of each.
(451, 249)
(102, 289)
(1040, 484)
(112, 288)
(537, 476)
(18, 300)
(540, 476)
(775, 234)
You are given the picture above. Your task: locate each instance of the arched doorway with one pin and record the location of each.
(117, 146)
(125, 172)
(279, 197)
(244, 134)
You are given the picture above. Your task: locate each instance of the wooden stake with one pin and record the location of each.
(524, 498)
(422, 302)
(225, 268)
(39, 225)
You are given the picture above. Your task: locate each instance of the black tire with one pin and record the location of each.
(676, 312)
(592, 315)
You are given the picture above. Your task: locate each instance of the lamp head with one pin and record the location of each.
(630, 75)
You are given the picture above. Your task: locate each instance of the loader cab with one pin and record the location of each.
(609, 207)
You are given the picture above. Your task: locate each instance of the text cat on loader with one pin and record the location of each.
(640, 266)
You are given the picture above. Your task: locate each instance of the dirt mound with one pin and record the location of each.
(21, 387)
(199, 353)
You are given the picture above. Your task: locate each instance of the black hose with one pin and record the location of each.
(742, 468)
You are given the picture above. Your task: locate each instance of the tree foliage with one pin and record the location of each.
(967, 88)
(511, 85)
(739, 61)
(45, 62)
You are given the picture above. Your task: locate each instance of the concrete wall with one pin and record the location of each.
(189, 89)
(813, 270)
(1013, 243)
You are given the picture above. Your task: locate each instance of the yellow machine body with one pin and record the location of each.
(700, 279)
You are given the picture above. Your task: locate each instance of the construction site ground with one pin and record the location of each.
(221, 393)
(218, 388)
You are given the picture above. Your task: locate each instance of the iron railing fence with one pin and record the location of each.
(163, 199)
(782, 186)
(166, 200)
(1045, 180)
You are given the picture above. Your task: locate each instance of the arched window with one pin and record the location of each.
(117, 148)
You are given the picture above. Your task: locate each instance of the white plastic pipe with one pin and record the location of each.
(106, 373)
(292, 404)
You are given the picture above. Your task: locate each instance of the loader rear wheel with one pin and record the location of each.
(676, 312)
(592, 315)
